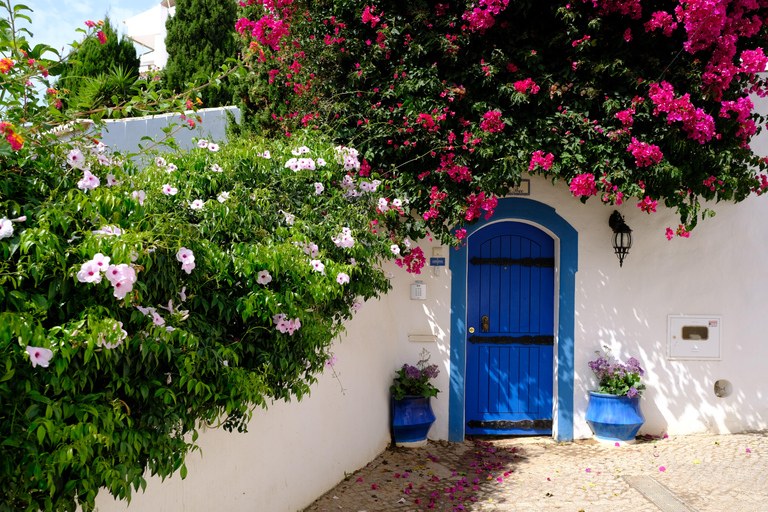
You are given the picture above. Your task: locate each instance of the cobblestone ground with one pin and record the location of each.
(712, 473)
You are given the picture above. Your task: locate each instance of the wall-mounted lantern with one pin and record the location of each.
(622, 236)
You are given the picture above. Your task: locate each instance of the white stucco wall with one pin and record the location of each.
(294, 452)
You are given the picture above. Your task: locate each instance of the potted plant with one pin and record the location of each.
(613, 412)
(411, 390)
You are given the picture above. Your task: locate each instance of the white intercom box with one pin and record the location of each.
(418, 291)
(694, 337)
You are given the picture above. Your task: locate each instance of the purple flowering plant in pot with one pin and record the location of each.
(613, 412)
(411, 390)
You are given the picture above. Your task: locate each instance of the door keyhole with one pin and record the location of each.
(485, 323)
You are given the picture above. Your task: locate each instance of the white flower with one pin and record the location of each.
(104, 159)
(319, 188)
(6, 228)
(89, 181)
(169, 190)
(265, 154)
(317, 266)
(170, 168)
(397, 203)
(111, 180)
(306, 163)
(140, 195)
(264, 277)
(101, 261)
(289, 218)
(158, 320)
(197, 204)
(213, 147)
(89, 273)
(216, 168)
(342, 278)
(292, 164)
(356, 306)
(109, 230)
(321, 162)
(300, 151)
(160, 161)
(100, 147)
(39, 356)
(223, 197)
(202, 143)
(76, 159)
(395, 249)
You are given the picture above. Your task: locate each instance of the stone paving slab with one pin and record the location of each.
(712, 473)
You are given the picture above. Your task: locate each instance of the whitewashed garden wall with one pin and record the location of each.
(296, 451)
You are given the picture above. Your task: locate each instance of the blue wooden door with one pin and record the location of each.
(510, 325)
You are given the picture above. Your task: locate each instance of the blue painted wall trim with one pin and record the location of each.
(515, 208)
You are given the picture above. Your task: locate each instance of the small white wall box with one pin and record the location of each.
(694, 337)
(418, 291)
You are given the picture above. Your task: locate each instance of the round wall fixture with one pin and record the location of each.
(723, 388)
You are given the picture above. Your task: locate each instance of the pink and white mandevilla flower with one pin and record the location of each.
(300, 151)
(89, 273)
(342, 278)
(213, 147)
(264, 277)
(197, 204)
(6, 228)
(317, 266)
(216, 168)
(140, 195)
(160, 161)
(111, 180)
(319, 188)
(158, 320)
(39, 356)
(331, 361)
(169, 190)
(88, 182)
(187, 259)
(202, 143)
(321, 162)
(265, 154)
(395, 249)
(170, 168)
(223, 197)
(76, 159)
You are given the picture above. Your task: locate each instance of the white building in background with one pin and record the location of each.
(148, 30)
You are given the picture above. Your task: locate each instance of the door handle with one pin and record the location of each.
(485, 323)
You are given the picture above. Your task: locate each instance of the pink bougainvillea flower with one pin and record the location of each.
(749, 451)
(662, 469)
(670, 234)
(39, 356)
(342, 278)
(264, 277)
(588, 470)
(359, 479)
(102, 37)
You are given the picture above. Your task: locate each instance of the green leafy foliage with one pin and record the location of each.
(96, 72)
(200, 38)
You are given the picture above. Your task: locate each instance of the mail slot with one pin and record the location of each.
(694, 337)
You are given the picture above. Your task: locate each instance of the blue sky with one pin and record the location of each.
(54, 21)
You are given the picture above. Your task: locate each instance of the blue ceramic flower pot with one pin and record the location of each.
(614, 417)
(412, 418)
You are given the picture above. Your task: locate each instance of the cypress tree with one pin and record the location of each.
(95, 60)
(200, 37)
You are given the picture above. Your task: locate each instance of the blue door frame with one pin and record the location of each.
(545, 217)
